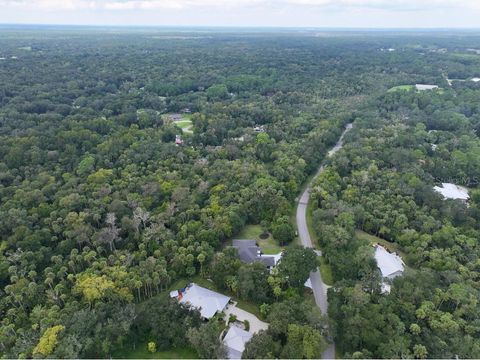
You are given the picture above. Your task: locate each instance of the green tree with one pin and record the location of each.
(296, 265)
(206, 341)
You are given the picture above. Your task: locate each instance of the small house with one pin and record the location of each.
(452, 191)
(178, 140)
(390, 264)
(249, 252)
(423, 87)
(235, 341)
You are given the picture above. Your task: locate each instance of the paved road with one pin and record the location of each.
(318, 286)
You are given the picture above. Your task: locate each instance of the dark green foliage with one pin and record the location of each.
(165, 322)
(206, 341)
(283, 231)
(296, 265)
(100, 211)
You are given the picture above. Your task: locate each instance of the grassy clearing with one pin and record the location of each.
(325, 271)
(269, 246)
(469, 56)
(183, 124)
(312, 232)
(140, 352)
(372, 239)
(402, 88)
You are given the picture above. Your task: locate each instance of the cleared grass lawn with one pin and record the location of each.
(269, 246)
(141, 352)
(372, 239)
(183, 124)
(325, 271)
(401, 88)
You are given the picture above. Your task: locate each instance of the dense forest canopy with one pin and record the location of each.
(101, 211)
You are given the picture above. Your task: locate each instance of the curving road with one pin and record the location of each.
(318, 286)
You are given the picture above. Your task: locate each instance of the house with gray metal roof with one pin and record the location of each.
(249, 252)
(235, 341)
(208, 302)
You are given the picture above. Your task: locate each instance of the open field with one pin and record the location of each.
(401, 88)
(376, 240)
(140, 352)
(183, 124)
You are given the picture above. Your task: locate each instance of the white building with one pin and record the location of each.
(476, 79)
(423, 87)
(390, 264)
(452, 191)
(235, 341)
(208, 302)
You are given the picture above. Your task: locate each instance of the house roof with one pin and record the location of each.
(249, 252)
(452, 191)
(207, 301)
(235, 341)
(388, 263)
(425, 87)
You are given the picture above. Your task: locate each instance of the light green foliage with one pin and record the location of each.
(48, 341)
(152, 347)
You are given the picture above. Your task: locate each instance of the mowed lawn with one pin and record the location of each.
(401, 88)
(183, 124)
(252, 232)
(372, 239)
(140, 352)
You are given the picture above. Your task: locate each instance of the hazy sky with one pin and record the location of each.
(284, 13)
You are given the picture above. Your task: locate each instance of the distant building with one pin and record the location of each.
(423, 87)
(390, 265)
(249, 252)
(178, 140)
(175, 117)
(208, 302)
(259, 128)
(452, 191)
(235, 341)
(476, 79)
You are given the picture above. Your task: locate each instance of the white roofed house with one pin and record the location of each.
(390, 264)
(423, 87)
(452, 191)
(208, 302)
(235, 341)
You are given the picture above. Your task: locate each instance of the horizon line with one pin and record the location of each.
(326, 28)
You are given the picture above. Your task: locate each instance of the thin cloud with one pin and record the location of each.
(406, 5)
